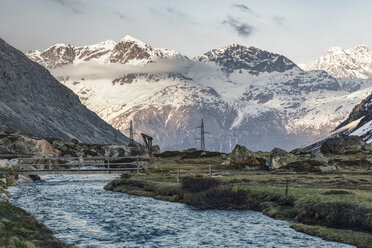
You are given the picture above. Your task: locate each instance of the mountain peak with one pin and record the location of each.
(350, 63)
(236, 57)
(129, 38)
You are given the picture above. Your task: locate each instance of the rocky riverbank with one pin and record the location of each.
(328, 193)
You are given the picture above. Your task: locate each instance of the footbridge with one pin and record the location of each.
(82, 165)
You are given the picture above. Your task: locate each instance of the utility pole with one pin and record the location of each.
(202, 135)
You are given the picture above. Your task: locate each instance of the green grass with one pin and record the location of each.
(359, 239)
(20, 229)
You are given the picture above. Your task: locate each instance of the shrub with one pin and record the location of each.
(198, 184)
(219, 198)
(337, 192)
(168, 154)
(334, 214)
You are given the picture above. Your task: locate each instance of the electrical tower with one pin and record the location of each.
(202, 135)
(131, 134)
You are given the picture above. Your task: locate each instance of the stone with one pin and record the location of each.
(5, 164)
(241, 155)
(23, 179)
(340, 143)
(3, 197)
(3, 180)
(279, 158)
(329, 168)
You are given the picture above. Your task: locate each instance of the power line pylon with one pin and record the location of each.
(131, 134)
(202, 135)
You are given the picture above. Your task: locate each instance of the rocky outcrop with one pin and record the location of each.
(279, 158)
(341, 143)
(19, 144)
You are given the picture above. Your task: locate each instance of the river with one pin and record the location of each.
(79, 211)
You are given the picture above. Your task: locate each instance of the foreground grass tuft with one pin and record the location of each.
(20, 229)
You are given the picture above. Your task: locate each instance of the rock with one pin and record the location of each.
(116, 151)
(329, 168)
(3, 197)
(278, 152)
(279, 158)
(242, 156)
(227, 162)
(5, 164)
(341, 143)
(3, 180)
(34, 177)
(156, 149)
(23, 179)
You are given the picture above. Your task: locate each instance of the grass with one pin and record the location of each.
(333, 204)
(359, 239)
(20, 229)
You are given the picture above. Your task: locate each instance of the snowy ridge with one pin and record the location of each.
(349, 63)
(127, 51)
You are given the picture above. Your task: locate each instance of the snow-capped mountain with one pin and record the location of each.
(127, 51)
(33, 101)
(251, 59)
(245, 95)
(349, 63)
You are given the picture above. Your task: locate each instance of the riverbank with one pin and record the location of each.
(336, 206)
(17, 227)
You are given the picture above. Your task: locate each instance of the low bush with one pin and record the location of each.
(198, 184)
(334, 214)
(221, 197)
(168, 154)
(337, 192)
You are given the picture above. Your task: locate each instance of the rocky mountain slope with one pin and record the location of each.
(358, 123)
(245, 95)
(349, 63)
(33, 101)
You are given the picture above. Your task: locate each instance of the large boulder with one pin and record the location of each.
(242, 156)
(279, 158)
(341, 143)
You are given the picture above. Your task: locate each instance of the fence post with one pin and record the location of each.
(178, 176)
(108, 162)
(286, 187)
(210, 170)
(137, 162)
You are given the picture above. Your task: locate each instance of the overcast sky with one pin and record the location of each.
(299, 29)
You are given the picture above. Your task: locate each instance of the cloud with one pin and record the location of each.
(72, 5)
(242, 28)
(244, 8)
(175, 12)
(280, 20)
(122, 16)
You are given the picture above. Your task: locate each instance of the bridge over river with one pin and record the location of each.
(82, 165)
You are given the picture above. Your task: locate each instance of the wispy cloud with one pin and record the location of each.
(244, 8)
(243, 29)
(176, 12)
(74, 5)
(280, 20)
(122, 16)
